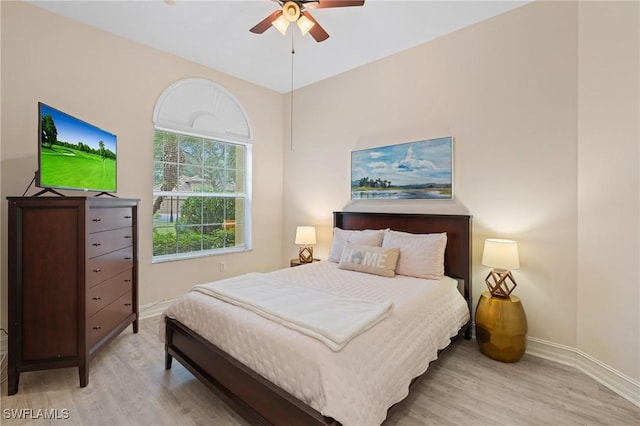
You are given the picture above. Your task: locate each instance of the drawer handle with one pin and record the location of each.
(127, 236)
(127, 258)
(97, 219)
(127, 304)
(97, 327)
(127, 217)
(96, 244)
(97, 270)
(97, 298)
(127, 281)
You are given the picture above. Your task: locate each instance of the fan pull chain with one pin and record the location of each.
(293, 52)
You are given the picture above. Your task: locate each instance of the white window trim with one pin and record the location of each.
(208, 100)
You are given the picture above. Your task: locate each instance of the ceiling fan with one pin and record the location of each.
(296, 11)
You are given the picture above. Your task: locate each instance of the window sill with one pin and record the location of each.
(187, 256)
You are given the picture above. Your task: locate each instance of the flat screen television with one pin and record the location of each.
(73, 154)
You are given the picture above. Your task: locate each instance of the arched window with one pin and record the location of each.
(202, 172)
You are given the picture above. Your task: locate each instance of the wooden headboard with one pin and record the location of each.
(457, 257)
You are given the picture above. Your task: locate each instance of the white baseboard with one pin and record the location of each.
(154, 309)
(551, 351)
(621, 384)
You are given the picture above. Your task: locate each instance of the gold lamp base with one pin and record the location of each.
(305, 254)
(501, 327)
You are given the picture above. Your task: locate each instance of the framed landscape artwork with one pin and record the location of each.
(415, 170)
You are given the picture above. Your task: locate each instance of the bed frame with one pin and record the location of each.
(258, 400)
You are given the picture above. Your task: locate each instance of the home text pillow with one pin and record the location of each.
(369, 259)
(368, 237)
(421, 255)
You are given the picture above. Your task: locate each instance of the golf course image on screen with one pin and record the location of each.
(75, 154)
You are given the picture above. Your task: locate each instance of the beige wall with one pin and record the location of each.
(608, 322)
(114, 83)
(507, 90)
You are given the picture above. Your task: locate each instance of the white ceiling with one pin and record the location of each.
(216, 33)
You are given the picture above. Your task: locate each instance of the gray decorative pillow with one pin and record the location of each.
(369, 259)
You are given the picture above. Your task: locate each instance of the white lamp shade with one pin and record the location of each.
(306, 235)
(500, 254)
(281, 24)
(305, 24)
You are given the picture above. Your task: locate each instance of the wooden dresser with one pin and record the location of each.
(73, 280)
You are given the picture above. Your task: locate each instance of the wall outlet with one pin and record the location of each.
(221, 266)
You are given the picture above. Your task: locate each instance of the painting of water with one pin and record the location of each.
(413, 170)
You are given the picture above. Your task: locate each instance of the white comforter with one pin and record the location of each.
(332, 319)
(357, 385)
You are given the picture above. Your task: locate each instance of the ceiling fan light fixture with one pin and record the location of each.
(305, 24)
(281, 24)
(296, 11)
(291, 11)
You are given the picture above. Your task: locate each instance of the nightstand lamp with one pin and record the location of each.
(502, 256)
(306, 238)
(501, 323)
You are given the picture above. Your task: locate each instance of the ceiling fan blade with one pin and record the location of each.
(324, 4)
(265, 24)
(317, 32)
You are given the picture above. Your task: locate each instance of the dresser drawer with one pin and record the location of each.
(105, 320)
(102, 219)
(106, 266)
(103, 242)
(106, 292)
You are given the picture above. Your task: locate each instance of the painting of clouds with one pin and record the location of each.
(415, 170)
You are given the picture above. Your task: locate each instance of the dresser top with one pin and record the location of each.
(68, 201)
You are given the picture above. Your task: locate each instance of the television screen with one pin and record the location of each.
(73, 154)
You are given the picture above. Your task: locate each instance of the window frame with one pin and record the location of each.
(246, 195)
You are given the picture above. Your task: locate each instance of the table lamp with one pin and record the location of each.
(502, 256)
(305, 238)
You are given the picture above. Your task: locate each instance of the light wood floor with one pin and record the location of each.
(129, 386)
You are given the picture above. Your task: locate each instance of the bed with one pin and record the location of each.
(311, 381)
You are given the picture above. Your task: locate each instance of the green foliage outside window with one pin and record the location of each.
(189, 241)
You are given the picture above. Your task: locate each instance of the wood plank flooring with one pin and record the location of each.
(129, 386)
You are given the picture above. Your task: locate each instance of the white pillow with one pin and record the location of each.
(367, 237)
(421, 255)
(369, 259)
